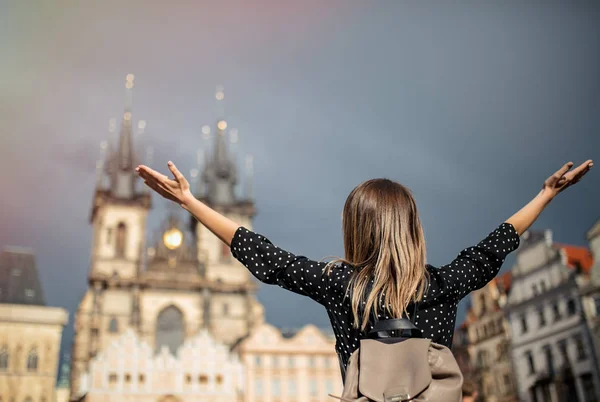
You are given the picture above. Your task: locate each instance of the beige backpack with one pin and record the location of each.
(388, 368)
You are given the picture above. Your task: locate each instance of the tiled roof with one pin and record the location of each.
(504, 281)
(19, 281)
(577, 256)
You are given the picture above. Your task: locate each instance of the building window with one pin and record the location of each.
(258, 387)
(543, 286)
(541, 316)
(142, 378)
(597, 304)
(523, 324)
(170, 329)
(4, 358)
(257, 361)
(275, 361)
(482, 302)
(112, 378)
(327, 361)
(16, 271)
(534, 289)
(32, 361)
(530, 362)
(276, 387)
(571, 308)
(121, 240)
(292, 387)
(562, 348)
(219, 379)
(556, 311)
(581, 354)
(549, 358)
(589, 391)
(127, 378)
(28, 399)
(311, 362)
(109, 232)
(225, 309)
(507, 383)
(29, 293)
(313, 387)
(329, 386)
(482, 359)
(113, 326)
(291, 361)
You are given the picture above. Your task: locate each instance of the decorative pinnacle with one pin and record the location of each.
(129, 81)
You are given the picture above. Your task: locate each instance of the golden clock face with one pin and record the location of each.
(173, 238)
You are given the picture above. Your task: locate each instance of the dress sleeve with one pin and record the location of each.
(274, 266)
(476, 266)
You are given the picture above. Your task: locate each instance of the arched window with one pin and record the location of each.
(113, 326)
(121, 239)
(28, 399)
(170, 329)
(4, 358)
(32, 360)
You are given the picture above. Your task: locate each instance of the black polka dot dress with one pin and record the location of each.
(472, 269)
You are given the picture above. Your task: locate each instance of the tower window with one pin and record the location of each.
(32, 361)
(170, 329)
(3, 358)
(109, 233)
(113, 326)
(225, 309)
(121, 240)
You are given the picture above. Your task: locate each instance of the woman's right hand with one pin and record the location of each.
(564, 178)
(176, 189)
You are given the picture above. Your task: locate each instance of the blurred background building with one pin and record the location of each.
(532, 333)
(30, 331)
(179, 319)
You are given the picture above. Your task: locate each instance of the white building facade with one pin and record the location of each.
(552, 350)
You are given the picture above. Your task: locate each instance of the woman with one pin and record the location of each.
(384, 271)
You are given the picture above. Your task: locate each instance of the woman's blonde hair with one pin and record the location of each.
(384, 243)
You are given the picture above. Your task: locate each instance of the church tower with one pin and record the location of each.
(232, 306)
(118, 217)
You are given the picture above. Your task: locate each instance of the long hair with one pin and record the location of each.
(384, 243)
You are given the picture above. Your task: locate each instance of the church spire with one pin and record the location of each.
(220, 176)
(122, 162)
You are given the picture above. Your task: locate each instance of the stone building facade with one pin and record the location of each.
(153, 305)
(552, 350)
(290, 366)
(489, 341)
(30, 331)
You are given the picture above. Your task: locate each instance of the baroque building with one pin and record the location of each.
(30, 331)
(553, 354)
(159, 320)
(488, 339)
(290, 365)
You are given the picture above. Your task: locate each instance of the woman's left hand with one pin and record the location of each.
(176, 190)
(564, 178)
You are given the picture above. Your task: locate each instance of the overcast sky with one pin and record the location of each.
(471, 106)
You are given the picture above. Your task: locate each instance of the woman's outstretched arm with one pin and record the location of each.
(178, 190)
(267, 262)
(555, 184)
(475, 266)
